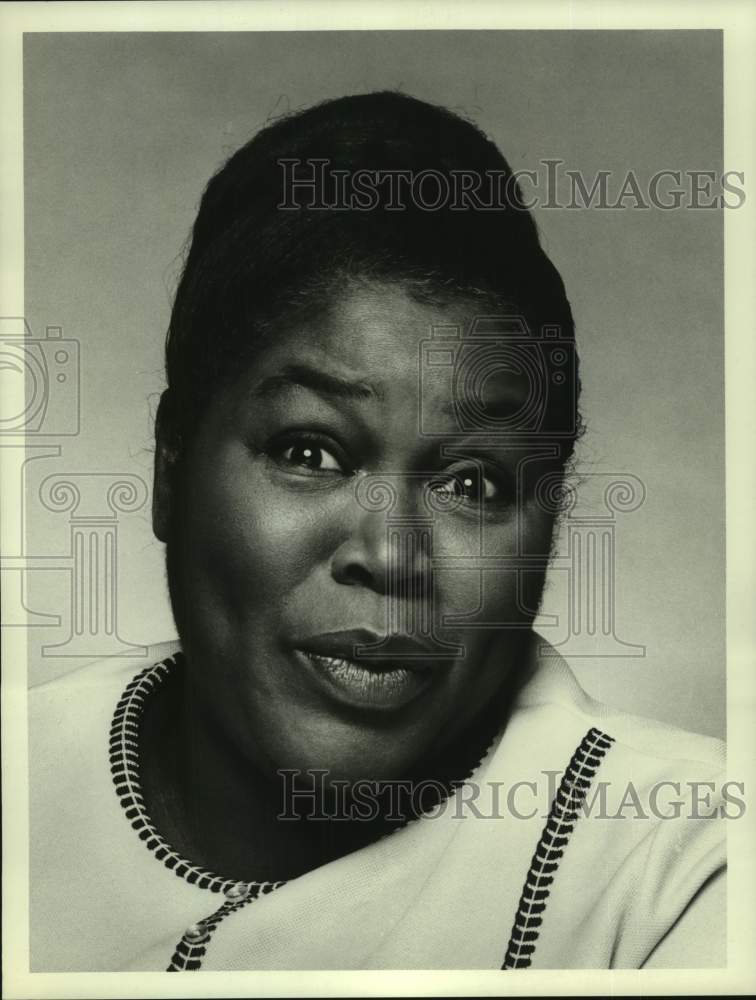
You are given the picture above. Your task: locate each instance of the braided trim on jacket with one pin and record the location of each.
(552, 843)
(125, 767)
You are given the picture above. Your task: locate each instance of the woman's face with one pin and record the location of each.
(288, 554)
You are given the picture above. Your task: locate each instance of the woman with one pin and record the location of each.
(359, 754)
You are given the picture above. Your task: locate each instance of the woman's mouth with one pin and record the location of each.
(376, 683)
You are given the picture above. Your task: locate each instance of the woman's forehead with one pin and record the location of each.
(368, 329)
(375, 346)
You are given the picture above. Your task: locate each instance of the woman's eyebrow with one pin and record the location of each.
(502, 405)
(321, 382)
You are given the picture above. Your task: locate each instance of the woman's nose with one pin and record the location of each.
(388, 554)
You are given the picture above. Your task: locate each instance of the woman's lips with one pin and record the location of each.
(401, 671)
(383, 686)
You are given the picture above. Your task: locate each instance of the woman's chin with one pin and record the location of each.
(339, 750)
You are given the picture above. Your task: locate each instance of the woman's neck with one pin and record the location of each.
(223, 813)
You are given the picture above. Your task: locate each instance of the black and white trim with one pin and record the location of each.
(191, 948)
(555, 835)
(125, 769)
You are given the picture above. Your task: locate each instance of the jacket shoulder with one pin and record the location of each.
(99, 672)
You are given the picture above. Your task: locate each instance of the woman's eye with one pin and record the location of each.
(309, 455)
(468, 486)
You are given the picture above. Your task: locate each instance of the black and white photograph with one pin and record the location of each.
(377, 515)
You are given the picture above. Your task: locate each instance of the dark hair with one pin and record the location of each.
(251, 262)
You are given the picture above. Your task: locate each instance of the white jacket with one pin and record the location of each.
(633, 881)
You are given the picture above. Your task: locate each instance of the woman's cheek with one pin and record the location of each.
(265, 529)
(471, 596)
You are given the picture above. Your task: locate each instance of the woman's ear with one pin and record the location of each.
(166, 458)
